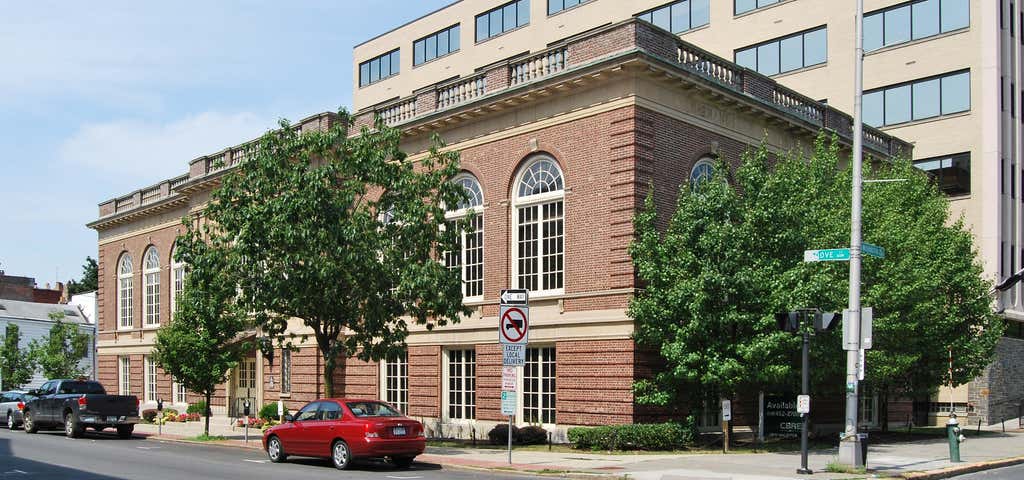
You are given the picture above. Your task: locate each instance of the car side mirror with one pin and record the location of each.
(288, 418)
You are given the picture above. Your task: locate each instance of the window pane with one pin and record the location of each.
(955, 14)
(453, 38)
(496, 23)
(394, 62)
(417, 52)
(364, 74)
(647, 17)
(897, 26)
(431, 48)
(699, 13)
(897, 105)
(815, 47)
(554, 6)
(385, 67)
(442, 43)
(482, 24)
(680, 17)
(873, 32)
(874, 111)
(956, 93)
(509, 14)
(524, 12)
(791, 53)
(747, 58)
(765, 3)
(768, 59)
(926, 19)
(375, 70)
(745, 6)
(662, 18)
(926, 99)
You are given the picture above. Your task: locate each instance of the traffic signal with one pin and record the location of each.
(788, 321)
(824, 321)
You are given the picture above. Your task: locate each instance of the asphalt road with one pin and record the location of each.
(49, 455)
(1015, 472)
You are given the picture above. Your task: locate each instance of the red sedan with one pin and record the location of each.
(344, 430)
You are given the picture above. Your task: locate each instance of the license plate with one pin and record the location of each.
(111, 419)
(398, 431)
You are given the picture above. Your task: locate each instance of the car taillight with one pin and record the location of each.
(21, 405)
(82, 401)
(370, 432)
(421, 432)
(137, 402)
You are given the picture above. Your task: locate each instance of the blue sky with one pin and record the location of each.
(101, 98)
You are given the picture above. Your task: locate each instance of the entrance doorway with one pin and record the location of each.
(244, 388)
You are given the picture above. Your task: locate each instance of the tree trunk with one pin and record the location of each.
(206, 428)
(329, 366)
(883, 409)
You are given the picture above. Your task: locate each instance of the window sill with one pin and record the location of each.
(502, 34)
(913, 123)
(432, 60)
(574, 7)
(759, 9)
(284, 395)
(378, 81)
(918, 41)
(799, 70)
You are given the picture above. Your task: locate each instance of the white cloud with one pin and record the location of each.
(146, 152)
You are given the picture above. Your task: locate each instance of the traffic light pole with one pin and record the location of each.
(849, 445)
(805, 389)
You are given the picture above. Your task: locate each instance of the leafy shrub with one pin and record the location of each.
(170, 415)
(194, 417)
(198, 407)
(149, 414)
(499, 434)
(640, 436)
(269, 412)
(532, 435)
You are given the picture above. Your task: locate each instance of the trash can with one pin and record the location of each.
(862, 439)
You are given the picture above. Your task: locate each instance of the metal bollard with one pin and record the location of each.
(954, 437)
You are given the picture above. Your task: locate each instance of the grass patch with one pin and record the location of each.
(208, 438)
(835, 467)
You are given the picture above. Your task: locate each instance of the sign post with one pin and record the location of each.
(726, 418)
(513, 335)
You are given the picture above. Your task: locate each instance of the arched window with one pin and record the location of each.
(702, 171)
(469, 258)
(125, 308)
(151, 286)
(177, 280)
(539, 227)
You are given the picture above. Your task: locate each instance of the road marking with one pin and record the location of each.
(254, 461)
(148, 448)
(393, 476)
(15, 471)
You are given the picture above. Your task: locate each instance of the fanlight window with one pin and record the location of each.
(542, 176)
(702, 171)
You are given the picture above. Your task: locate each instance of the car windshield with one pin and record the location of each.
(81, 387)
(372, 409)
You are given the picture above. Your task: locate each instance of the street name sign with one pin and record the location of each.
(827, 255)
(508, 403)
(873, 250)
(803, 404)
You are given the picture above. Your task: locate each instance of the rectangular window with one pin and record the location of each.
(468, 259)
(286, 371)
(918, 99)
(507, 17)
(914, 20)
(124, 302)
(952, 173)
(379, 68)
(744, 6)
(462, 384)
(150, 365)
(180, 396)
(177, 285)
(124, 372)
(539, 385)
(396, 382)
(786, 54)
(152, 298)
(437, 44)
(541, 246)
(678, 17)
(555, 6)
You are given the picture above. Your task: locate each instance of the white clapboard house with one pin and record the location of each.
(34, 322)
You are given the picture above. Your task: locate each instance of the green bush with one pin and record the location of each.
(198, 407)
(532, 435)
(640, 436)
(269, 412)
(499, 434)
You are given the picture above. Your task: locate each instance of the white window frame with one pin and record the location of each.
(150, 379)
(125, 293)
(464, 391)
(537, 200)
(704, 169)
(394, 395)
(124, 375)
(177, 281)
(286, 371)
(151, 288)
(179, 393)
(868, 402)
(460, 213)
(554, 381)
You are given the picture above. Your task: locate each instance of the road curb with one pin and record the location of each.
(962, 469)
(535, 473)
(254, 445)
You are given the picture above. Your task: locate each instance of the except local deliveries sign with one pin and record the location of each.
(781, 418)
(513, 325)
(513, 355)
(508, 403)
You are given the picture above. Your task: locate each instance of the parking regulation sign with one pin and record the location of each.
(513, 325)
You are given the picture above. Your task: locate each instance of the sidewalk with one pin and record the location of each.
(885, 460)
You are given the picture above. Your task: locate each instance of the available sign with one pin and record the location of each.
(781, 418)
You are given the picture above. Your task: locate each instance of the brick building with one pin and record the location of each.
(559, 145)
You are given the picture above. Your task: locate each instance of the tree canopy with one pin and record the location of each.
(60, 352)
(342, 232)
(89, 281)
(16, 363)
(731, 256)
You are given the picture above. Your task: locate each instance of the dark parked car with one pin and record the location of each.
(75, 405)
(344, 430)
(11, 404)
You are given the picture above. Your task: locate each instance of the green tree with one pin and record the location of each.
(731, 255)
(201, 344)
(16, 363)
(342, 233)
(60, 352)
(89, 281)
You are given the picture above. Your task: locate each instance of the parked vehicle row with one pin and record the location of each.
(11, 405)
(70, 405)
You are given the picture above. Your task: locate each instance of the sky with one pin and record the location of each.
(101, 98)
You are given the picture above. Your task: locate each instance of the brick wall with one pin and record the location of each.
(425, 381)
(594, 382)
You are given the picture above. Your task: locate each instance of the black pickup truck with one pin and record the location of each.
(75, 405)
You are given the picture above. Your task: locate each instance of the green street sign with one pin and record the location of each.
(827, 255)
(873, 250)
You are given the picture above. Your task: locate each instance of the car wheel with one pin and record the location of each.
(402, 462)
(72, 429)
(275, 451)
(29, 423)
(341, 455)
(125, 431)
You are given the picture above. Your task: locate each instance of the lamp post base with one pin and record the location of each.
(851, 452)
(805, 471)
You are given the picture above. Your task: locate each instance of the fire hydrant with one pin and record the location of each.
(955, 437)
